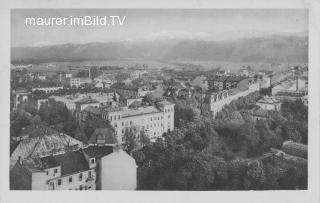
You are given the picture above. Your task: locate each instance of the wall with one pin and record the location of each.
(118, 172)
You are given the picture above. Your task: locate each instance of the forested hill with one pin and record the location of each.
(273, 48)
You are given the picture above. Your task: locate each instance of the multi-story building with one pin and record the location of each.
(130, 91)
(75, 82)
(219, 83)
(215, 101)
(44, 144)
(47, 89)
(68, 171)
(153, 120)
(21, 98)
(90, 168)
(70, 101)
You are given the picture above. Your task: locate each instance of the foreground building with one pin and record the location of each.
(89, 168)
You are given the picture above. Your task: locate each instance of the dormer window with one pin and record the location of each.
(92, 161)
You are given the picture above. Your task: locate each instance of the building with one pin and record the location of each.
(215, 101)
(21, 98)
(45, 144)
(104, 98)
(246, 72)
(93, 167)
(118, 171)
(154, 121)
(72, 170)
(75, 82)
(290, 95)
(130, 91)
(102, 137)
(269, 103)
(219, 83)
(47, 90)
(68, 75)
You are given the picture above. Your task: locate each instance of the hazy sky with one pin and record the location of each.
(150, 24)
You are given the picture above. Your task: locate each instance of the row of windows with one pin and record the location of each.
(169, 110)
(80, 178)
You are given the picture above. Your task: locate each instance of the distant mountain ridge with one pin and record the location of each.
(261, 49)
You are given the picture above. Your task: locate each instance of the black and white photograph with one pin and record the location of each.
(161, 99)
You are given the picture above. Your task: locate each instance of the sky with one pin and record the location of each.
(157, 24)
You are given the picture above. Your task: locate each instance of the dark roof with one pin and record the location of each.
(49, 162)
(106, 134)
(98, 151)
(72, 162)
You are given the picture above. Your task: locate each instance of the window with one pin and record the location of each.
(151, 119)
(130, 122)
(118, 116)
(158, 118)
(80, 177)
(168, 116)
(110, 118)
(115, 125)
(92, 161)
(122, 123)
(47, 172)
(115, 117)
(80, 187)
(55, 170)
(59, 182)
(70, 179)
(89, 174)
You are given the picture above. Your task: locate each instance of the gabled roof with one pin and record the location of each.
(72, 162)
(43, 145)
(105, 133)
(98, 151)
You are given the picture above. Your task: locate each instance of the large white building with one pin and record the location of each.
(153, 120)
(71, 100)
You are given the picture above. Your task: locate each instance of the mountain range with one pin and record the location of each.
(274, 48)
